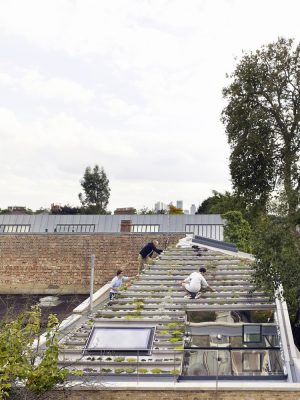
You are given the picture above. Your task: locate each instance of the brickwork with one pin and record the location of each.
(179, 395)
(60, 263)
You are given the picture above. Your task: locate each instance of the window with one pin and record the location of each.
(14, 228)
(209, 231)
(125, 340)
(252, 333)
(73, 228)
(139, 228)
(252, 361)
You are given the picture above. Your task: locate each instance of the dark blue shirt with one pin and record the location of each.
(148, 250)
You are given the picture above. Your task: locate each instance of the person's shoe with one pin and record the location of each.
(198, 295)
(188, 296)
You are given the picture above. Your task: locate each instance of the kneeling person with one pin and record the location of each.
(194, 283)
(117, 282)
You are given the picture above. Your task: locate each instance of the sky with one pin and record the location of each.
(134, 86)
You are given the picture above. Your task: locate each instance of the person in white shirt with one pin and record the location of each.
(117, 282)
(194, 283)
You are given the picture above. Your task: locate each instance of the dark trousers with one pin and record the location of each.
(111, 295)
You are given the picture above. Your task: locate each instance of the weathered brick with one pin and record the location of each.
(60, 263)
(178, 395)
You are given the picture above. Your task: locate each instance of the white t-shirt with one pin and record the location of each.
(195, 282)
(117, 282)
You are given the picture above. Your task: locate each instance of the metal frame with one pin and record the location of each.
(244, 333)
(144, 351)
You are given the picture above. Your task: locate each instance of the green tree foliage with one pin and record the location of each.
(237, 230)
(146, 211)
(220, 203)
(66, 210)
(277, 250)
(262, 120)
(175, 210)
(21, 359)
(96, 191)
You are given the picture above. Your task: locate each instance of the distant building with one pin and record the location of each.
(179, 204)
(160, 206)
(18, 210)
(186, 212)
(193, 209)
(125, 211)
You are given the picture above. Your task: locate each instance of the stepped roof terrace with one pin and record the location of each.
(151, 332)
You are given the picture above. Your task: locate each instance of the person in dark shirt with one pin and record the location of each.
(146, 253)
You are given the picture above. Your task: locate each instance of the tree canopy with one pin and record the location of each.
(175, 210)
(277, 251)
(237, 230)
(96, 189)
(262, 120)
(220, 203)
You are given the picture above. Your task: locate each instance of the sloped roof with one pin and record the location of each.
(107, 223)
(156, 299)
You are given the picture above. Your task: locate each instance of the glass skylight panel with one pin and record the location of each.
(252, 361)
(141, 228)
(73, 228)
(252, 333)
(120, 339)
(13, 228)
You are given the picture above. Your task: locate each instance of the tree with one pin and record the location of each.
(148, 211)
(175, 210)
(276, 247)
(96, 189)
(65, 210)
(237, 230)
(262, 120)
(220, 203)
(21, 359)
(145, 211)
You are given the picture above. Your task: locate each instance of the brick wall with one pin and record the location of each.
(60, 263)
(180, 395)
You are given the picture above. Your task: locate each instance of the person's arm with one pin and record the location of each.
(127, 279)
(205, 285)
(158, 251)
(186, 280)
(211, 289)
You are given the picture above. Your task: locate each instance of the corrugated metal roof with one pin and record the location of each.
(110, 223)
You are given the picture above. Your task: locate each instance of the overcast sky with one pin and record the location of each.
(134, 86)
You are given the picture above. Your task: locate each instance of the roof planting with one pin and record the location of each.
(156, 300)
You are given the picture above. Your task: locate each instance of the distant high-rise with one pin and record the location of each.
(179, 204)
(160, 206)
(193, 209)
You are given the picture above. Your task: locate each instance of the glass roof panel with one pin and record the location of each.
(120, 339)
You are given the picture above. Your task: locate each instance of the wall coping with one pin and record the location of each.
(198, 385)
(99, 296)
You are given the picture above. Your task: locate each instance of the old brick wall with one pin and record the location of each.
(180, 395)
(60, 263)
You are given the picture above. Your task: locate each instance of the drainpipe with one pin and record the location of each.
(92, 281)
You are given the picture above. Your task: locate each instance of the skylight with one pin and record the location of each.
(120, 339)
